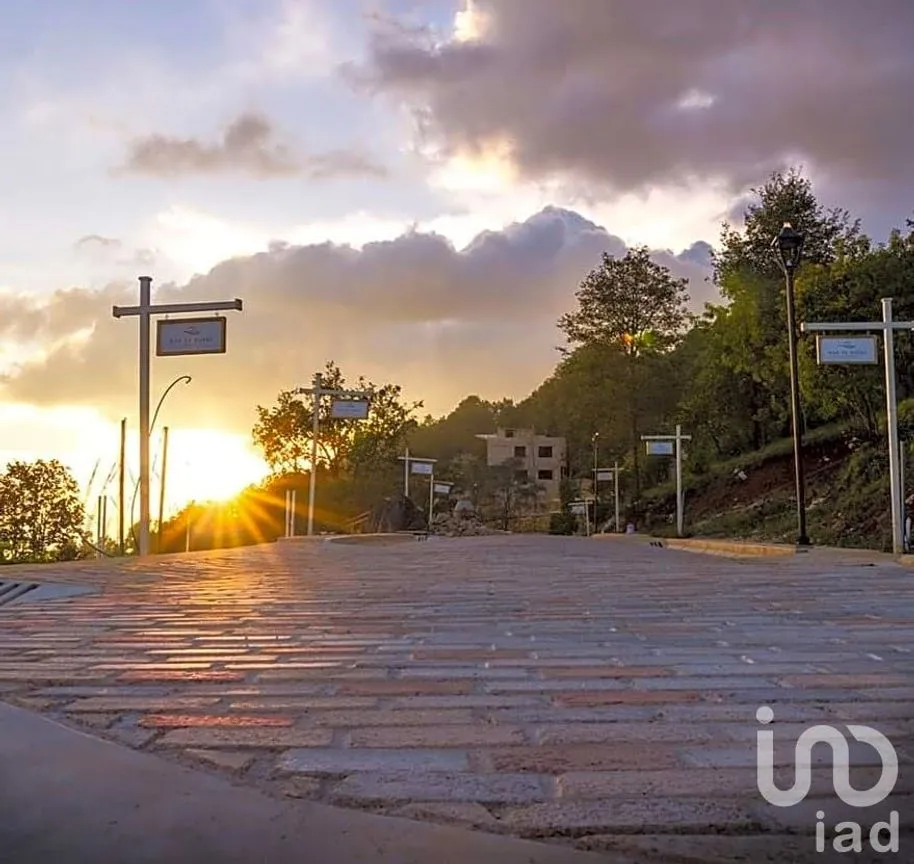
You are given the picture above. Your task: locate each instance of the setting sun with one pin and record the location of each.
(206, 465)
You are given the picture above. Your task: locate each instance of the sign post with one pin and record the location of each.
(606, 474)
(346, 398)
(415, 465)
(857, 348)
(174, 339)
(667, 445)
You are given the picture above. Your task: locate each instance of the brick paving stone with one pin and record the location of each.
(139, 703)
(630, 816)
(336, 704)
(590, 698)
(271, 738)
(630, 783)
(182, 676)
(591, 672)
(354, 719)
(376, 788)
(562, 758)
(400, 687)
(235, 721)
(433, 736)
(419, 703)
(340, 761)
(595, 733)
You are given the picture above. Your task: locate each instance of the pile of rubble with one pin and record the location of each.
(448, 525)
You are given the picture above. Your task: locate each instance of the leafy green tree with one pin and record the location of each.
(41, 515)
(284, 431)
(636, 307)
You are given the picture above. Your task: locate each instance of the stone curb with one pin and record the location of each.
(735, 548)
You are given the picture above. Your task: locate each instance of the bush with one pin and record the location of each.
(564, 522)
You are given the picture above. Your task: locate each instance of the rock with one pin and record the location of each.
(463, 524)
(397, 513)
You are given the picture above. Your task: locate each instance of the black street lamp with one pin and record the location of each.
(789, 247)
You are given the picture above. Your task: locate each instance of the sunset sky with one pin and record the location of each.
(412, 189)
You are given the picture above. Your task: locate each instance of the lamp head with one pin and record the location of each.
(789, 247)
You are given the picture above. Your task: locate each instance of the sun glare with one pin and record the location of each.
(208, 465)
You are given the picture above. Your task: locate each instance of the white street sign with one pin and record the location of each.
(604, 476)
(179, 336)
(356, 409)
(833, 350)
(578, 508)
(422, 468)
(443, 488)
(660, 448)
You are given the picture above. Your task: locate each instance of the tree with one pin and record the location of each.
(510, 490)
(41, 516)
(284, 432)
(637, 308)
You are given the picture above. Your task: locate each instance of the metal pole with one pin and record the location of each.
(144, 316)
(285, 513)
(162, 486)
(406, 475)
(121, 487)
(616, 495)
(98, 527)
(901, 501)
(293, 504)
(892, 423)
(315, 432)
(802, 537)
(678, 480)
(595, 481)
(431, 498)
(104, 522)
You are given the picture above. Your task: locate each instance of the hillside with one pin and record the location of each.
(847, 494)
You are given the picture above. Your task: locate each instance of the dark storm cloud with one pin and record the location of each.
(634, 93)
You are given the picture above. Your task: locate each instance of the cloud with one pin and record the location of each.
(631, 94)
(414, 310)
(247, 146)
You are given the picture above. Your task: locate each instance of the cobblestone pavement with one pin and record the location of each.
(603, 693)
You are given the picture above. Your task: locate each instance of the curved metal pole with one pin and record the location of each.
(186, 379)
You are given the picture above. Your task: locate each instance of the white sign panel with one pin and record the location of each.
(443, 488)
(604, 476)
(178, 336)
(423, 468)
(579, 508)
(660, 448)
(834, 350)
(356, 409)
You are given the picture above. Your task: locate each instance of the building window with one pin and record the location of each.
(545, 452)
(520, 452)
(509, 433)
(545, 473)
(521, 476)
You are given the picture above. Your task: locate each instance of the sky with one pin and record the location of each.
(411, 189)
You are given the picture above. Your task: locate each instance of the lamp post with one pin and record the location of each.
(155, 416)
(789, 247)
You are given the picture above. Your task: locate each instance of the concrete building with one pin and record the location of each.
(544, 457)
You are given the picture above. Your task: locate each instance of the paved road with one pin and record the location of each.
(598, 692)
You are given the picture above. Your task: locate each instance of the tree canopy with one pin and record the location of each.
(41, 515)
